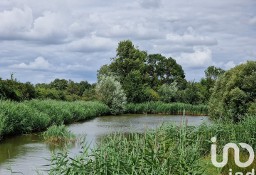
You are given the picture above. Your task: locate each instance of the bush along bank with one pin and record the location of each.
(166, 108)
(37, 115)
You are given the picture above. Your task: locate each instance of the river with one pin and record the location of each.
(28, 154)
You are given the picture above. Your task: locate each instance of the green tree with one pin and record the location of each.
(134, 87)
(128, 58)
(234, 92)
(110, 92)
(59, 84)
(168, 92)
(212, 73)
(162, 70)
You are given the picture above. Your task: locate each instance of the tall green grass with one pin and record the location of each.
(58, 134)
(38, 115)
(167, 150)
(166, 108)
(148, 153)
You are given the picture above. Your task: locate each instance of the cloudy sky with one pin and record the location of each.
(71, 39)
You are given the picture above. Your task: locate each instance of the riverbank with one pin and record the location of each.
(37, 115)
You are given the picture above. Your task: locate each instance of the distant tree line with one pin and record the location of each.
(59, 89)
(142, 76)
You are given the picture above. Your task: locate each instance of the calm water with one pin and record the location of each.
(28, 153)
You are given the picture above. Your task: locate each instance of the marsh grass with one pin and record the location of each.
(58, 134)
(170, 149)
(153, 152)
(166, 108)
(37, 115)
(231, 164)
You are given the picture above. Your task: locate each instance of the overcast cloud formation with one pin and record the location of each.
(72, 39)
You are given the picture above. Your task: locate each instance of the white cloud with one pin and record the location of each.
(39, 63)
(190, 38)
(92, 44)
(50, 27)
(200, 58)
(15, 21)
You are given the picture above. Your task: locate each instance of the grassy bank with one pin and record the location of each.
(167, 150)
(166, 108)
(36, 115)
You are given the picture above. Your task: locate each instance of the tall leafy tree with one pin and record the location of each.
(212, 73)
(129, 66)
(162, 70)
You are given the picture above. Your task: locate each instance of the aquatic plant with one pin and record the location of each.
(166, 108)
(58, 134)
(168, 150)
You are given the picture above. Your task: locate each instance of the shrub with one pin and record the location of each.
(168, 92)
(110, 92)
(57, 134)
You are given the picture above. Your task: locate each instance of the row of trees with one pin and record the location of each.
(59, 89)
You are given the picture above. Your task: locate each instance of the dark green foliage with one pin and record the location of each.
(161, 70)
(234, 92)
(14, 90)
(67, 90)
(140, 74)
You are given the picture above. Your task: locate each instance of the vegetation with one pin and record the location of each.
(150, 83)
(58, 134)
(234, 93)
(36, 115)
(148, 153)
(167, 150)
(110, 92)
(166, 108)
(142, 76)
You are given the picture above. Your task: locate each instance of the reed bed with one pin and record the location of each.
(38, 115)
(166, 108)
(58, 134)
(169, 150)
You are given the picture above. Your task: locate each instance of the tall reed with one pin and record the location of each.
(166, 108)
(168, 150)
(38, 115)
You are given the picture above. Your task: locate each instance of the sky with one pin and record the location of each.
(72, 39)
